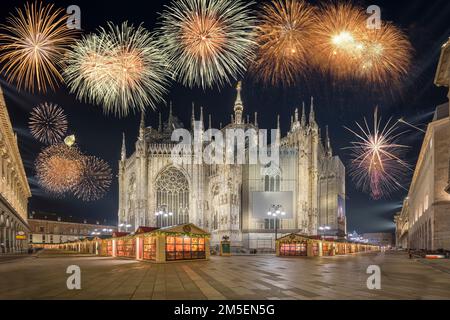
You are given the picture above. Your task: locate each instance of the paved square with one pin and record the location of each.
(237, 277)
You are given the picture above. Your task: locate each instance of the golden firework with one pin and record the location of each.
(59, 168)
(348, 49)
(336, 38)
(95, 179)
(284, 41)
(120, 68)
(386, 54)
(32, 44)
(48, 123)
(210, 42)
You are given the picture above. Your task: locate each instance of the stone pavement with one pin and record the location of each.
(242, 278)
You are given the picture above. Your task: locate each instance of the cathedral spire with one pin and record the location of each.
(312, 115)
(303, 119)
(170, 120)
(296, 115)
(329, 151)
(238, 106)
(201, 118)
(123, 153)
(278, 137)
(209, 122)
(160, 128)
(256, 119)
(142, 127)
(193, 115)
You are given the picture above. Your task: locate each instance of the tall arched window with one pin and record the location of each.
(172, 195)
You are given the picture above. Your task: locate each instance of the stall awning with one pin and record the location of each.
(293, 237)
(182, 229)
(142, 229)
(117, 234)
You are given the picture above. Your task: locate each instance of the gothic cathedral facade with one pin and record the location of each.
(221, 198)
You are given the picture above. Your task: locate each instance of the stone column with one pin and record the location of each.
(2, 239)
(8, 237)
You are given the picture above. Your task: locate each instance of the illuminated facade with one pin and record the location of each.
(52, 229)
(428, 204)
(14, 188)
(221, 198)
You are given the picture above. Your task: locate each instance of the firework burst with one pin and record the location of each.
(376, 165)
(336, 38)
(209, 42)
(347, 49)
(48, 123)
(32, 44)
(386, 54)
(59, 168)
(120, 68)
(284, 39)
(95, 179)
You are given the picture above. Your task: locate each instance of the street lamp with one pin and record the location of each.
(164, 214)
(324, 229)
(276, 211)
(124, 225)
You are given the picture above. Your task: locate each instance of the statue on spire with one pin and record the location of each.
(238, 106)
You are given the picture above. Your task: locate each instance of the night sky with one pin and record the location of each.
(336, 105)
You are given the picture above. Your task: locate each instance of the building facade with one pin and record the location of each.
(401, 221)
(382, 239)
(14, 188)
(427, 207)
(232, 199)
(52, 229)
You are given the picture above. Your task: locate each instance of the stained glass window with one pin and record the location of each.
(172, 192)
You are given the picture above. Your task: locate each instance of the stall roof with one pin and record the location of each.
(142, 229)
(302, 237)
(182, 228)
(295, 236)
(118, 234)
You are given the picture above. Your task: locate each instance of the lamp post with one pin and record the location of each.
(126, 225)
(184, 215)
(276, 211)
(324, 229)
(164, 214)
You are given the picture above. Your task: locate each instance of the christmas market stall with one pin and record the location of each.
(292, 245)
(125, 246)
(328, 248)
(301, 245)
(340, 248)
(176, 243)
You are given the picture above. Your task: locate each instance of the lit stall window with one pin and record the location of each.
(185, 248)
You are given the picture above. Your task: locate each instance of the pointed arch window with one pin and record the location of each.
(172, 193)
